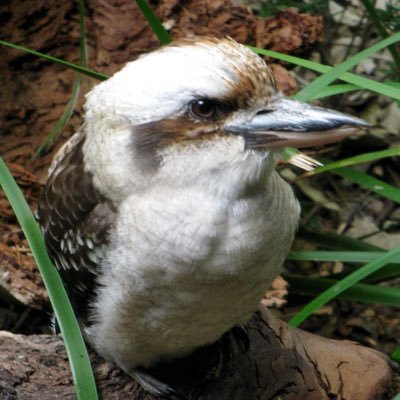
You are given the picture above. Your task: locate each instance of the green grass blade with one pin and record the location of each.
(355, 160)
(343, 256)
(370, 8)
(333, 90)
(369, 182)
(316, 85)
(333, 240)
(76, 350)
(155, 24)
(370, 294)
(396, 356)
(69, 108)
(62, 121)
(77, 68)
(365, 83)
(361, 178)
(344, 285)
(82, 33)
(389, 271)
(342, 242)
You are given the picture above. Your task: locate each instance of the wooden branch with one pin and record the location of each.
(272, 361)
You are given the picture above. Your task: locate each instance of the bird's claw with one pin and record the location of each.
(155, 386)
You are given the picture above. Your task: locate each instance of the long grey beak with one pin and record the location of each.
(296, 124)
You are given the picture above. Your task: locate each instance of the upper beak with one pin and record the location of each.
(292, 123)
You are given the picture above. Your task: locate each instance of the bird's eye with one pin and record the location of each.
(204, 108)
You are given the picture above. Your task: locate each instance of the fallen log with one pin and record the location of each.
(270, 361)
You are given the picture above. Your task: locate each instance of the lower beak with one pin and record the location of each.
(296, 124)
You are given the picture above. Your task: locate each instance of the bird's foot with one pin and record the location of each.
(211, 372)
(155, 386)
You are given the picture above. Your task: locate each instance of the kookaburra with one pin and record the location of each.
(164, 214)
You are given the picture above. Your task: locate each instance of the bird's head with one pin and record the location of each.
(200, 110)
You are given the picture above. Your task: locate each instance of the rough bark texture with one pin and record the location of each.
(279, 363)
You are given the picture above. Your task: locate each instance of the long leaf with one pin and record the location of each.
(341, 242)
(343, 256)
(371, 294)
(389, 271)
(369, 182)
(62, 121)
(315, 86)
(333, 90)
(369, 84)
(370, 7)
(77, 68)
(333, 240)
(359, 177)
(343, 285)
(396, 356)
(76, 350)
(82, 35)
(355, 160)
(69, 108)
(157, 27)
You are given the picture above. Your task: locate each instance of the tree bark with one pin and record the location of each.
(278, 362)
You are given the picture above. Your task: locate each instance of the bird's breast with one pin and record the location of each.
(185, 266)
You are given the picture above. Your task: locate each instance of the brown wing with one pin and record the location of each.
(75, 220)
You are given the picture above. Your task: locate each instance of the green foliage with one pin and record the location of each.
(69, 108)
(76, 350)
(396, 357)
(389, 90)
(390, 17)
(81, 369)
(397, 397)
(384, 20)
(83, 70)
(371, 294)
(356, 160)
(324, 80)
(318, 89)
(154, 22)
(345, 284)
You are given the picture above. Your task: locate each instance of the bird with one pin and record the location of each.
(164, 213)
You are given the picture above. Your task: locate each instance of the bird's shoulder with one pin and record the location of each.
(75, 220)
